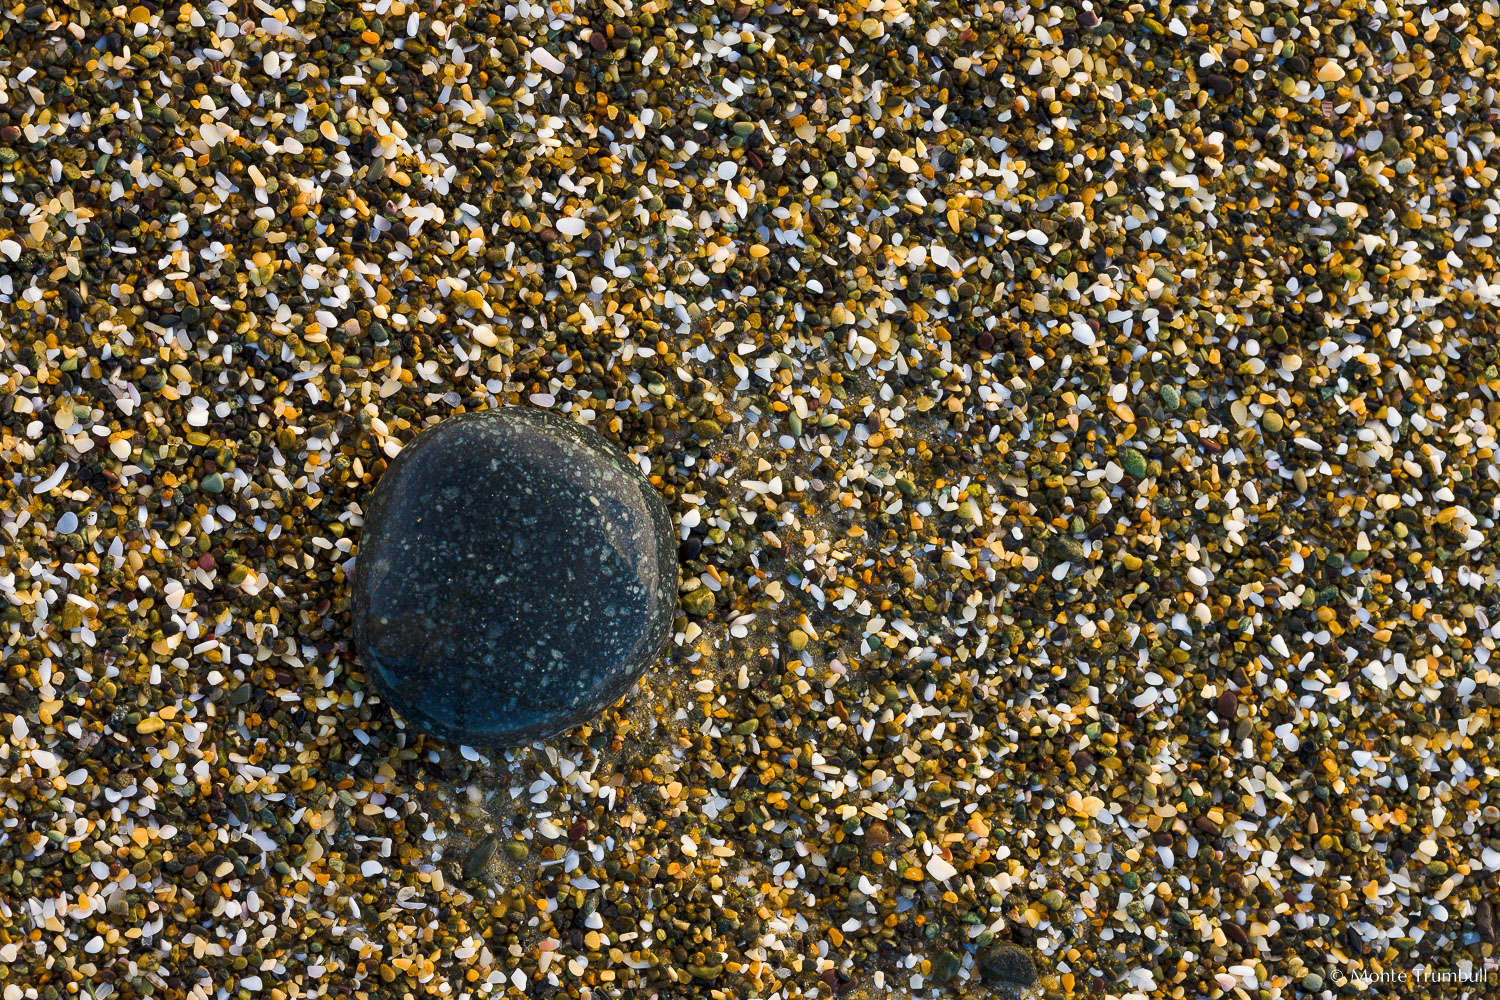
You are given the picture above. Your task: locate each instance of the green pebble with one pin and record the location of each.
(946, 965)
(1134, 463)
(480, 855)
(698, 602)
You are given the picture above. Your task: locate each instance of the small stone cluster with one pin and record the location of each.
(1078, 420)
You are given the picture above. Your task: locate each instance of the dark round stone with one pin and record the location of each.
(1007, 964)
(516, 575)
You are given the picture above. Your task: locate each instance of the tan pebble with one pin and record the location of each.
(1330, 72)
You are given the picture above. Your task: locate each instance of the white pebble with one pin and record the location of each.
(571, 226)
(50, 483)
(940, 869)
(546, 60)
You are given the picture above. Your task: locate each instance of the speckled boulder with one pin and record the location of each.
(516, 575)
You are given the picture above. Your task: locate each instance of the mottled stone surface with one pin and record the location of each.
(517, 573)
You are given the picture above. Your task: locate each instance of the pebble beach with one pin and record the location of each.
(1078, 422)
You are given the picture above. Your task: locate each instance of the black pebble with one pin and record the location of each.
(1220, 84)
(1484, 922)
(1007, 964)
(516, 575)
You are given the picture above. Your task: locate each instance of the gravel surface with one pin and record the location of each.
(1078, 422)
